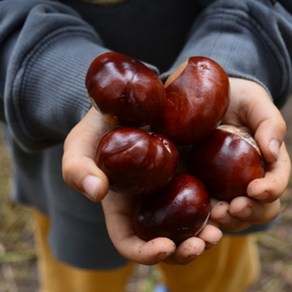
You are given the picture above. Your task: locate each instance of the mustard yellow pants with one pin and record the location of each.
(231, 266)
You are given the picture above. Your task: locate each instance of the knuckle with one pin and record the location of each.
(282, 126)
(69, 165)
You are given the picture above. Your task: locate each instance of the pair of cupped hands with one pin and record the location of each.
(250, 107)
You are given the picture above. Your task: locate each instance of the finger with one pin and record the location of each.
(275, 181)
(78, 166)
(89, 179)
(253, 211)
(211, 235)
(193, 247)
(118, 213)
(220, 215)
(146, 253)
(135, 249)
(187, 251)
(251, 106)
(270, 132)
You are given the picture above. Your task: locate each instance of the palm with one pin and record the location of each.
(251, 107)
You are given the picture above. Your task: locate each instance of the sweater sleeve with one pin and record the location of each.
(46, 49)
(249, 39)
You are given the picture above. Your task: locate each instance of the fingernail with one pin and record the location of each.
(193, 257)
(274, 147)
(91, 184)
(262, 196)
(210, 244)
(246, 212)
(163, 255)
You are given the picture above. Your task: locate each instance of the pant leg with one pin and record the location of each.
(231, 266)
(56, 276)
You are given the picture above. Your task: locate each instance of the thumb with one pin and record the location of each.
(270, 133)
(78, 164)
(256, 110)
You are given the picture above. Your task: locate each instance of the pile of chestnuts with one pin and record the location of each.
(169, 150)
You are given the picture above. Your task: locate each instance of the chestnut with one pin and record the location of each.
(125, 88)
(136, 162)
(179, 211)
(226, 162)
(197, 99)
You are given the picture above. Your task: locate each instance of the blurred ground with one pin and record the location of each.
(18, 258)
(17, 254)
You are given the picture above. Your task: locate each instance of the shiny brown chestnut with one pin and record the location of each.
(179, 211)
(125, 88)
(136, 162)
(197, 99)
(226, 162)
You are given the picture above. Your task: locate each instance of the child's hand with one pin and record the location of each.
(81, 173)
(252, 107)
(118, 210)
(78, 166)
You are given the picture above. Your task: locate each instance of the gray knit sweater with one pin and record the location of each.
(45, 50)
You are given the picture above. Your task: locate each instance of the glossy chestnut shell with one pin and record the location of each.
(178, 211)
(226, 162)
(136, 162)
(197, 100)
(125, 88)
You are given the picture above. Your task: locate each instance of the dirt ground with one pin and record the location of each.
(18, 258)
